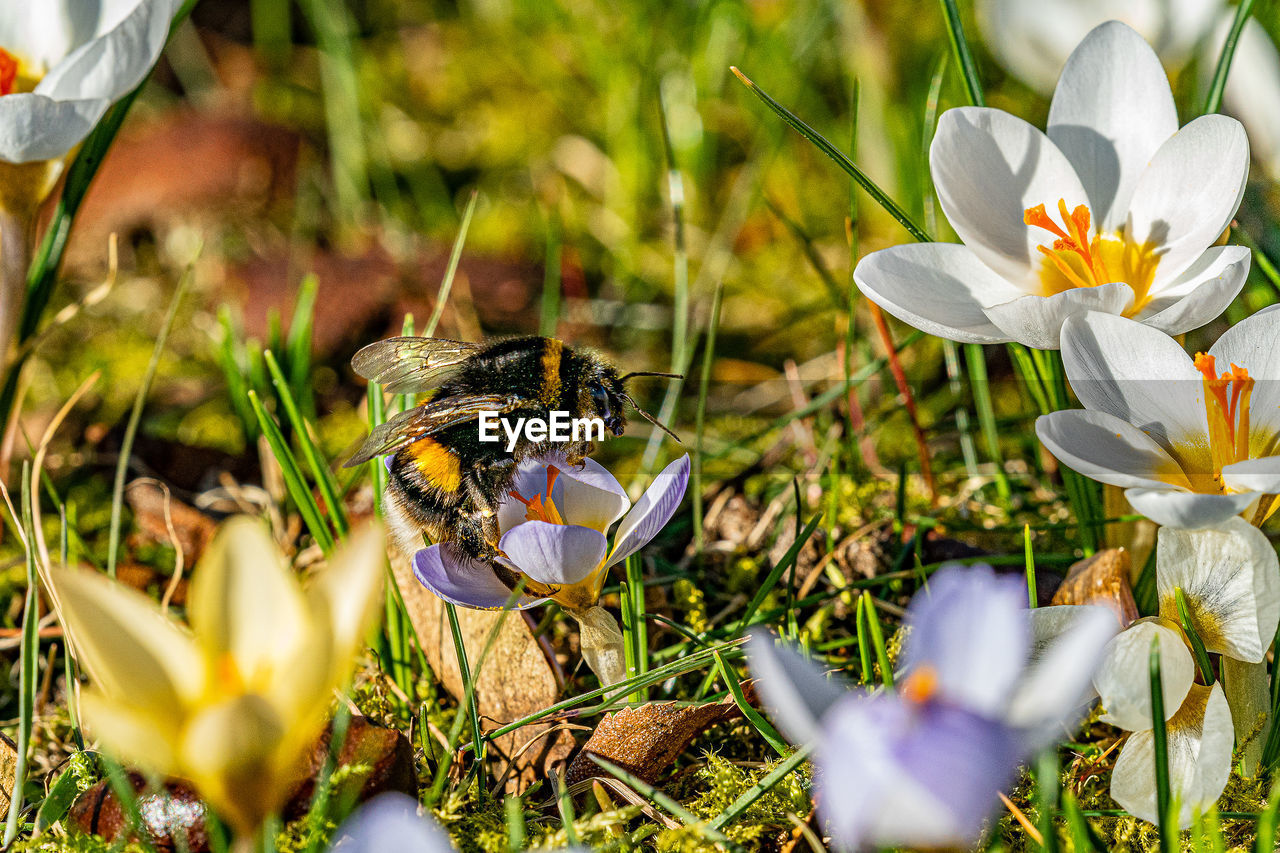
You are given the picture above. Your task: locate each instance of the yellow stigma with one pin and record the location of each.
(1079, 257)
(1226, 402)
(538, 508)
(921, 685)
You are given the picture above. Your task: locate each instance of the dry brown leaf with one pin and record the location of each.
(1101, 579)
(149, 500)
(8, 769)
(645, 740)
(516, 680)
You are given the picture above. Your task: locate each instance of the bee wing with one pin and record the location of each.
(408, 427)
(406, 365)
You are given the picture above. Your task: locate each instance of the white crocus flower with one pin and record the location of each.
(1230, 579)
(1114, 209)
(1192, 441)
(62, 64)
(1033, 40)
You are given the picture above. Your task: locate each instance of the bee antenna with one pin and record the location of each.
(650, 418)
(650, 373)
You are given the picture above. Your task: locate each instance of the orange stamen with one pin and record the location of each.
(921, 685)
(1073, 239)
(8, 72)
(1226, 400)
(539, 509)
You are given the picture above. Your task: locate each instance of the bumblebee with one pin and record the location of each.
(443, 480)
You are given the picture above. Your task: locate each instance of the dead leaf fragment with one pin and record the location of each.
(645, 740)
(1101, 579)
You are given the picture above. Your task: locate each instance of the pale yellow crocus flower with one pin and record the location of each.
(234, 703)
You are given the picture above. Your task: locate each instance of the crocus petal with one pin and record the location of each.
(590, 496)
(1231, 579)
(1122, 681)
(970, 628)
(939, 288)
(1254, 343)
(132, 651)
(1247, 687)
(1037, 320)
(232, 752)
(1033, 41)
(346, 594)
(793, 688)
(390, 822)
(138, 734)
(1111, 112)
(1254, 475)
(1050, 699)
(114, 62)
(894, 774)
(1200, 294)
(652, 512)
(554, 554)
(34, 127)
(1200, 738)
(468, 583)
(1108, 450)
(989, 167)
(1187, 510)
(1137, 374)
(1187, 196)
(246, 603)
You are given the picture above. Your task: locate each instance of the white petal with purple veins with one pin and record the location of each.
(554, 554)
(652, 512)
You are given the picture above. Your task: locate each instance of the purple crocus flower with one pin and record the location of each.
(390, 822)
(554, 526)
(985, 683)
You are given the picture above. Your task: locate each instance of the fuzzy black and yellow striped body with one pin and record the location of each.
(447, 483)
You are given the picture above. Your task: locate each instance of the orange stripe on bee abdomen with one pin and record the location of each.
(436, 463)
(551, 353)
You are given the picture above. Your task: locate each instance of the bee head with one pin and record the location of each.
(608, 399)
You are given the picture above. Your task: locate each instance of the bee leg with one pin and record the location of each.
(575, 453)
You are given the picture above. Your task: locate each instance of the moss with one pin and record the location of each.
(715, 787)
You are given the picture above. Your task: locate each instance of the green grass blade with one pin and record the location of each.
(704, 383)
(775, 574)
(297, 344)
(877, 640)
(864, 644)
(1265, 842)
(320, 471)
(1197, 645)
(1160, 736)
(761, 725)
(1219, 83)
(975, 362)
(841, 159)
(455, 255)
(293, 479)
(963, 55)
(1047, 794)
(135, 418)
(1030, 557)
(28, 655)
(1083, 839)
